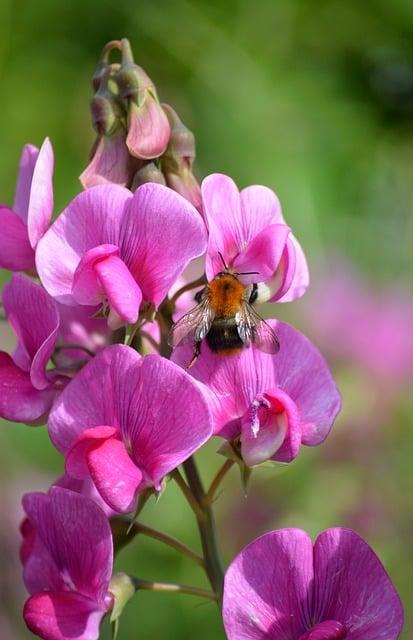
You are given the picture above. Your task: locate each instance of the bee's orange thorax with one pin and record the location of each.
(226, 293)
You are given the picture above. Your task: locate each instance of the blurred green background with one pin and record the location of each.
(314, 99)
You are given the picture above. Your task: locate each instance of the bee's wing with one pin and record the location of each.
(252, 328)
(193, 326)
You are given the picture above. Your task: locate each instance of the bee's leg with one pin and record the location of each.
(197, 351)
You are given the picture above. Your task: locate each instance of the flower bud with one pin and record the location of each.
(149, 172)
(106, 107)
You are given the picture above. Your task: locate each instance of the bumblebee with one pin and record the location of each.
(226, 319)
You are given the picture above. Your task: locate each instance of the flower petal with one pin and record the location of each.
(123, 293)
(262, 254)
(19, 400)
(111, 162)
(40, 206)
(91, 219)
(161, 233)
(352, 586)
(296, 278)
(148, 128)
(76, 458)
(16, 253)
(260, 208)
(114, 474)
(35, 320)
(76, 533)
(267, 590)
(59, 615)
(24, 180)
(328, 630)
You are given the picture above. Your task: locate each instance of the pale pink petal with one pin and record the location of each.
(16, 253)
(40, 206)
(35, 320)
(76, 458)
(24, 181)
(19, 400)
(260, 208)
(148, 128)
(115, 475)
(267, 590)
(91, 219)
(76, 533)
(296, 284)
(111, 162)
(63, 615)
(352, 586)
(161, 233)
(262, 254)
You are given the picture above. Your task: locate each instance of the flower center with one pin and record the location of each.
(327, 630)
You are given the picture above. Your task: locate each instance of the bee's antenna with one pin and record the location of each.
(247, 273)
(223, 261)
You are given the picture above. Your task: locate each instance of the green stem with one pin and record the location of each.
(168, 587)
(210, 495)
(206, 525)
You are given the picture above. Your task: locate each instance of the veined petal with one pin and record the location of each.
(161, 233)
(148, 128)
(328, 630)
(24, 181)
(60, 615)
(16, 253)
(19, 400)
(115, 475)
(91, 219)
(268, 588)
(40, 205)
(260, 208)
(262, 254)
(352, 586)
(35, 320)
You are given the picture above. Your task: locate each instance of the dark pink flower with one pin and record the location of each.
(24, 224)
(281, 586)
(272, 403)
(67, 553)
(247, 228)
(114, 247)
(127, 421)
(27, 387)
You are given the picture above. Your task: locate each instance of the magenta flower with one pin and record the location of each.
(269, 404)
(281, 586)
(127, 421)
(25, 224)
(67, 553)
(27, 387)
(121, 249)
(247, 228)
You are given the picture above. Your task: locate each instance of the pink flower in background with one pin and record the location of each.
(249, 231)
(27, 388)
(79, 326)
(127, 421)
(273, 403)
(281, 586)
(24, 224)
(67, 554)
(121, 249)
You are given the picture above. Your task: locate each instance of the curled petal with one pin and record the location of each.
(263, 253)
(40, 206)
(76, 458)
(148, 128)
(16, 253)
(59, 615)
(111, 162)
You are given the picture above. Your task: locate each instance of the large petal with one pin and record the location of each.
(24, 181)
(77, 535)
(91, 219)
(19, 400)
(16, 253)
(40, 206)
(115, 475)
(262, 254)
(63, 615)
(35, 320)
(352, 586)
(161, 233)
(148, 128)
(267, 590)
(260, 208)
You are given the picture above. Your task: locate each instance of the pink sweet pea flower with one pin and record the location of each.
(67, 553)
(270, 404)
(248, 229)
(127, 421)
(114, 247)
(281, 586)
(27, 388)
(24, 225)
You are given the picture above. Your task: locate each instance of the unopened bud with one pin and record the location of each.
(106, 107)
(148, 173)
(104, 62)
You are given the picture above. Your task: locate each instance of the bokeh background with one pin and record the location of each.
(313, 98)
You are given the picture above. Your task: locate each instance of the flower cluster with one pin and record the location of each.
(92, 311)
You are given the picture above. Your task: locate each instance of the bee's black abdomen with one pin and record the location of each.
(223, 335)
